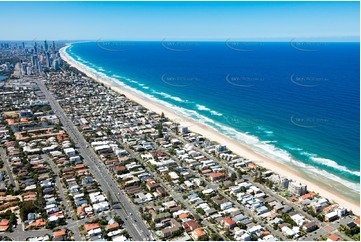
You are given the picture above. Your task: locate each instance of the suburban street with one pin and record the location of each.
(7, 167)
(249, 213)
(137, 229)
(175, 195)
(59, 186)
(20, 235)
(324, 228)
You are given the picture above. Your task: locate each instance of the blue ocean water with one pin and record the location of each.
(296, 102)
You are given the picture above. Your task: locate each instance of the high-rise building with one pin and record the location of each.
(48, 60)
(33, 60)
(297, 188)
(53, 46)
(284, 182)
(35, 63)
(56, 64)
(40, 67)
(23, 45)
(23, 68)
(46, 46)
(28, 70)
(35, 48)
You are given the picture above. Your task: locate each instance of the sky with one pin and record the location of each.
(263, 21)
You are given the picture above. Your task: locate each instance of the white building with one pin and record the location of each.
(173, 175)
(69, 151)
(226, 205)
(183, 129)
(297, 188)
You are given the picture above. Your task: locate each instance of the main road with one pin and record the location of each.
(135, 225)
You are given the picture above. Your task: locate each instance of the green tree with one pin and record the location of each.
(242, 226)
(200, 211)
(160, 131)
(110, 198)
(321, 217)
(216, 237)
(233, 177)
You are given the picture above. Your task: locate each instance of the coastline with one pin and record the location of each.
(211, 134)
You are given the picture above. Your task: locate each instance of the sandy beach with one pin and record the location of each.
(233, 145)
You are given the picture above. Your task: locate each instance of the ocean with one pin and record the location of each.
(295, 102)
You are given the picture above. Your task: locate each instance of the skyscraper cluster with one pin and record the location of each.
(38, 57)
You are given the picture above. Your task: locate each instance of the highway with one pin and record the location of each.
(134, 224)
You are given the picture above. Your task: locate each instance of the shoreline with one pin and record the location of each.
(233, 145)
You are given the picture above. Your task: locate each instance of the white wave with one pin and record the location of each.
(231, 132)
(273, 151)
(204, 108)
(331, 163)
(315, 171)
(269, 141)
(307, 153)
(265, 130)
(200, 117)
(216, 113)
(354, 186)
(166, 95)
(201, 107)
(283, 156)
(293, 148)
(267, 149)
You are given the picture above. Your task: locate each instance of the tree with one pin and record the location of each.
(269, 183)
(287, 219)
(203, 238)
(176, 128)
(311, 212)
(200, 211)
(118, 219)
(12, 219)
(258, 177)
(216, 237)
(242, 226)
(243, 189)
(110, 199)
(321, 217)
(160, 131)
(233, 176)
(10, 190)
